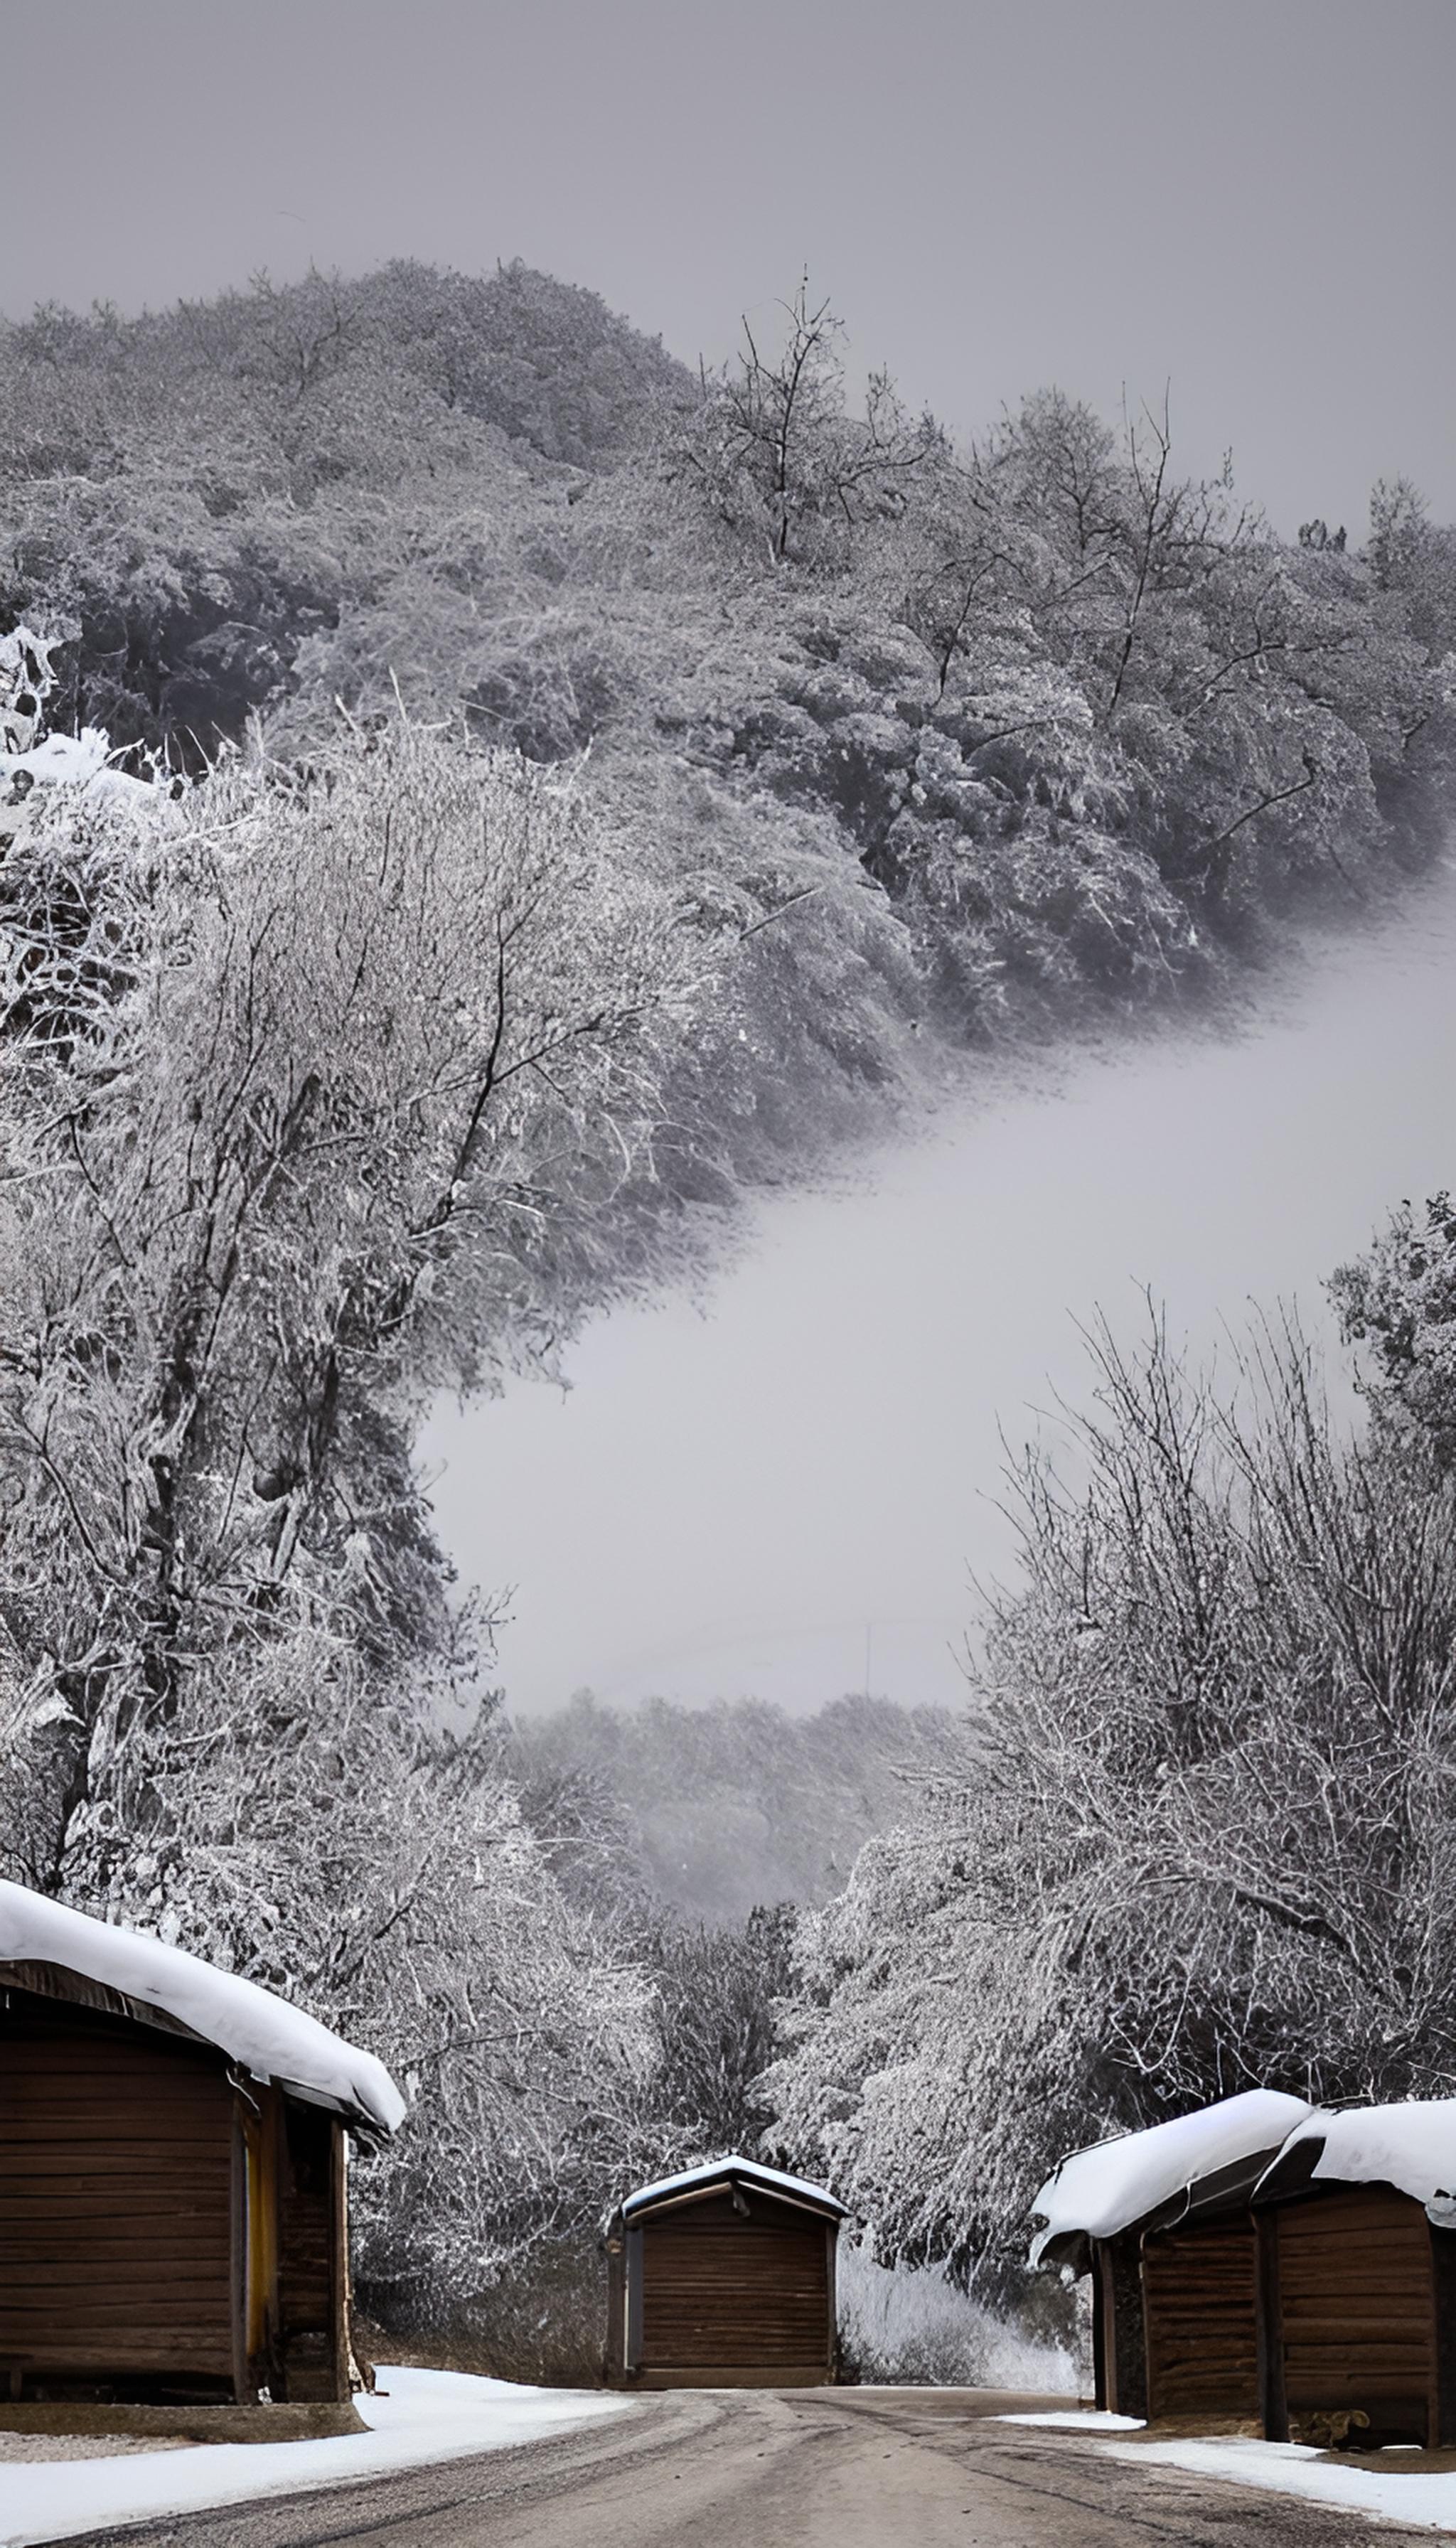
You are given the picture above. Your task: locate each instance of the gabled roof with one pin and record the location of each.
(271, 2039)
(1095, 2193)
(1410, 2146)
(694, 2184)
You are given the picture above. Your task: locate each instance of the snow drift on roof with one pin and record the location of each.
(274, 2041)
(1412, 2146)
(1098, 2192)
(719, 2171)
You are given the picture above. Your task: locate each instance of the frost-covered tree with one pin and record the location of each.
(717, 1992)
(1085, 724)
(1259, 711)
(776, 453)
(318, 1095)
(1202, 1839)
(1399, 1301)
(321, 1088)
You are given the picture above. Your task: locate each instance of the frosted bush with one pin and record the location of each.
(911, 2324)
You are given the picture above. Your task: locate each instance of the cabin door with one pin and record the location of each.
(735, 2297)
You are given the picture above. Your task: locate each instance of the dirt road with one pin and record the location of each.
(816, 2467)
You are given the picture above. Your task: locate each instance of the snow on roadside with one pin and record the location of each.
(1079, 2419)
(1389, 2489)
(1396, 2492)
(425, 2416)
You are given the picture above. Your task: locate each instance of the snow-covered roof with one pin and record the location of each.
(732, 2170)
(1097, 2191)
(1412, 2146)
(272, 2040)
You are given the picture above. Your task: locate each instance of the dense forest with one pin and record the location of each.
(712, 1811)
(1005, 726)
(523, 795)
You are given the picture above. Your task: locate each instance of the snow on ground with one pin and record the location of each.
(418, 2416)
(1389, 2485)
(1079, 2419)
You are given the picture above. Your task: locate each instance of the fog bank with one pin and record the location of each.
(785, 1496)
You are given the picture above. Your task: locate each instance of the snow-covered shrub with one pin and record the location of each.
(911, 2324)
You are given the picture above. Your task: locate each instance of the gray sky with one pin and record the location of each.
(722, 1504)
(1255, 198)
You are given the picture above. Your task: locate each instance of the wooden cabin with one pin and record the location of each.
(1160, 2219)
(1356, 2222)
(173, 2208)
(723, 2278)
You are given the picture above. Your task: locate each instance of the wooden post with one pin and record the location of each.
(262, 2122)
(238, 2261)
(632, 2350)
(831, 2249)
(1124, 2346)
(1269, 2330)
(1099, 2330)
(341, 2278)
(1443, 2301)
(614, 2358)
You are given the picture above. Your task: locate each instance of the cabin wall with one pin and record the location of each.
(1200, 2302)
(1351, 2313)
(117, 2198)
(163, 2232)
(719, 2296)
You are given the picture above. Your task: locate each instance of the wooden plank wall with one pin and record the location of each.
(1200, 2298)
(721, 2291)
(1356, 2311)
(116, 2168)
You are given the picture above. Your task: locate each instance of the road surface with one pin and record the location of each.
(813, 2468)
